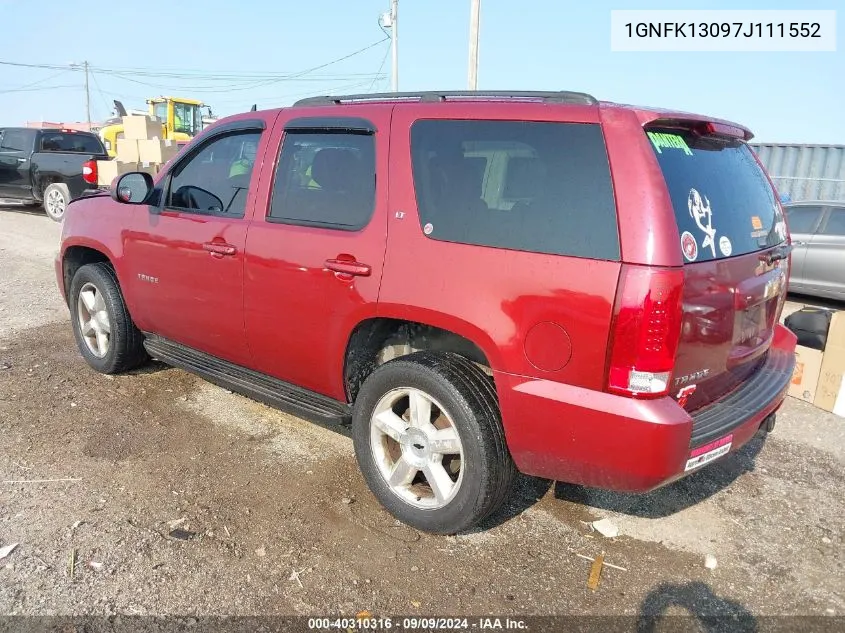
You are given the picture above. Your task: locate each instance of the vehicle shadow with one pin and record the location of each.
(662, 610)
(816, 302)
(29, 210)
(672, 498)
(150, 367)
(526, 492)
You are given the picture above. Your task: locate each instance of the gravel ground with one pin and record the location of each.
(278, 520)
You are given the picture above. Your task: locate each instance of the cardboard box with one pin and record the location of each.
(108, 170)
(830, 394)
(148, 168)
(127, 150)
(156, 151)
(805, 377)
(139, 128)
(839, 405)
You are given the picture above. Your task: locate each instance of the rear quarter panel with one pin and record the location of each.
(496, 296)
(648, 231)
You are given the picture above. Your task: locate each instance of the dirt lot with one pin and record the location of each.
(283, 523)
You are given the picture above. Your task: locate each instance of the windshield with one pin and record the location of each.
(186, 118)
(724, 204)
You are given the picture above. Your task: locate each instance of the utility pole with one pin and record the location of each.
(394, 43)
(475, 15)
(87, 96)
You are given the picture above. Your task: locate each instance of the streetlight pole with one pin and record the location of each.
(475, 15)
(394, 44)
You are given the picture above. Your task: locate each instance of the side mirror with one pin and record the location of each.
(132, 188)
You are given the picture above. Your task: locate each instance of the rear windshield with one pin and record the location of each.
(71, 142)
(539, 187)
(724, 205)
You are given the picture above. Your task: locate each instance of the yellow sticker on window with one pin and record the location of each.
(663, 141)
(756, 222)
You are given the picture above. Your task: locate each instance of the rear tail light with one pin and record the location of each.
(646, 328)
(89, 172)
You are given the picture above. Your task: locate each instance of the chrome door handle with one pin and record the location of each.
(219, 249)
(346, 267)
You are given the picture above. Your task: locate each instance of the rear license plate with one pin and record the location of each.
(707, 453)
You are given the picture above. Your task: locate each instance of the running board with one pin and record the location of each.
(253, 384)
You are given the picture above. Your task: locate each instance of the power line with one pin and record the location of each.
(40, 81)
(284, 97)
(212, 76)
(40, 88)
(378, 74)
(100, 92)
(48, 66)
(340, 59)
(238, 81)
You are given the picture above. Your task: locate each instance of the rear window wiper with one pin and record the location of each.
(776, 254)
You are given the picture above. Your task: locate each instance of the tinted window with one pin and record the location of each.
(325, 180)
(835, 223)
(216, 179)
(14, 140)
(803, 219)
(724, 205)
(541, 187)
(71, 142)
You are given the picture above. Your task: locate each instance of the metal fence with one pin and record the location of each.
(805, 172)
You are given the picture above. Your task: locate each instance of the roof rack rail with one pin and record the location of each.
(562, 96)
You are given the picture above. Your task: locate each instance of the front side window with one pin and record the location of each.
(325, 179)
(528, 186)
(216, 179)
(13, 140)
(803, 219)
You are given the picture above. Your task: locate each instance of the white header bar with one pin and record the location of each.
(723, 30)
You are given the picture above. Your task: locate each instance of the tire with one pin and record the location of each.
(56, 199)
(463, 402)
(119, 349)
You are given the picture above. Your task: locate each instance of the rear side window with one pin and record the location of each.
(724, 205)
(72, 143)
(528, 186)
(803, 219)
(325, 179)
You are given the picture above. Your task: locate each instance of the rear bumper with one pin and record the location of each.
(598, 439)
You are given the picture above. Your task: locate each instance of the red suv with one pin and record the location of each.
(481, 282)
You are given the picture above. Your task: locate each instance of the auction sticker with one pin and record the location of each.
(689, 246)
(725, 246)
(707, 453)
